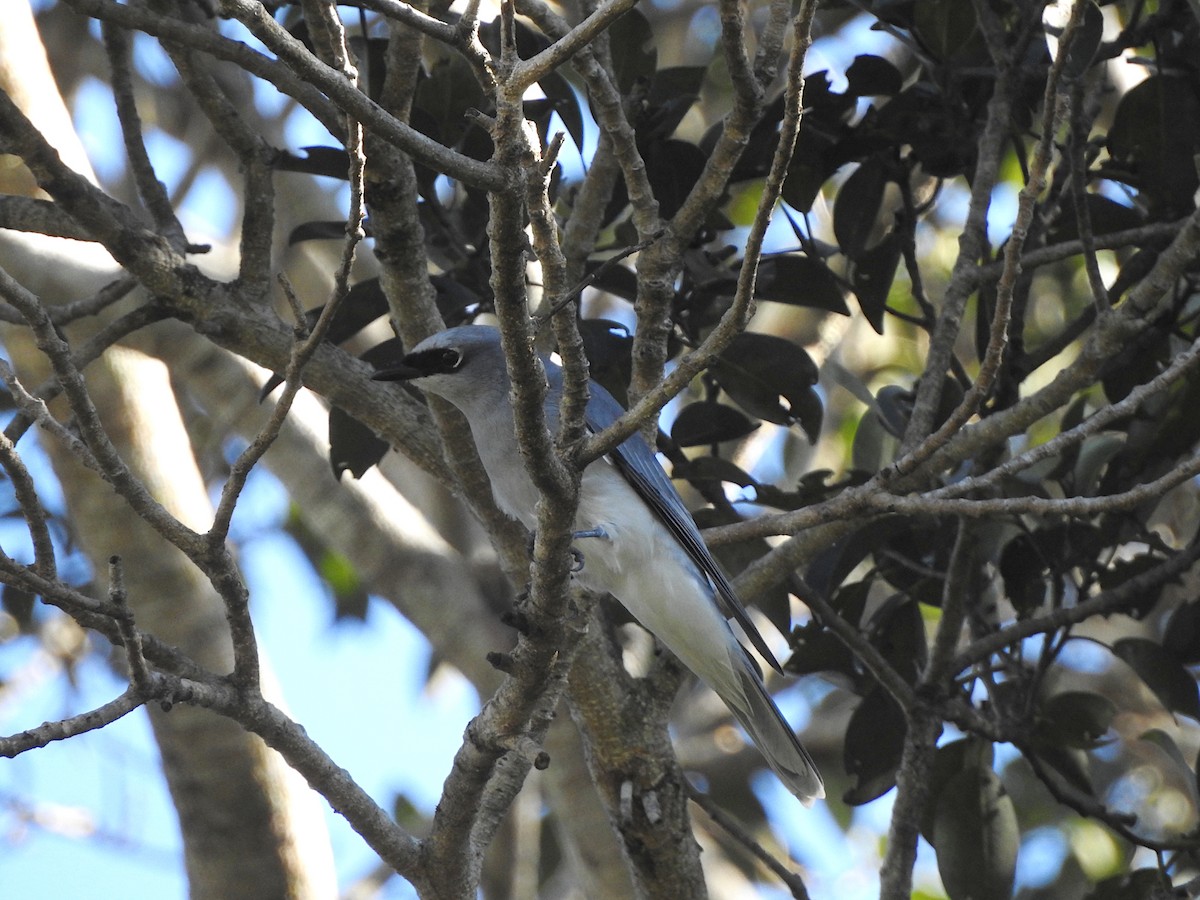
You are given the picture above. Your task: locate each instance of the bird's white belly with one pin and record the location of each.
(644, 567)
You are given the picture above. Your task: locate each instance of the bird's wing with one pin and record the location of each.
(638, 464)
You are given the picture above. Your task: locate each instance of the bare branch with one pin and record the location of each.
(575, 40)
(139, 673)
(357, 104)
(151, 190)
(70, 727)
(736, 316)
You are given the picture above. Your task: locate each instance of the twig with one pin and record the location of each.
(864, 651)
(1183, 363)
(306, 342)
(150, 189)
(62, 729)
(139, 673)
(736, 830)
(353, 102)
(1103, 603)
(91, 350)
(566, 46)
(111, 466)
(955, 589)
(255, 156)
(28, 501)
(206, 40)
(734, 318)
(972, 243)
(588, 280)
(1091, 808)
(610, 116)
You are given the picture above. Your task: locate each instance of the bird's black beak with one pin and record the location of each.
(419, 363)
(401, 372)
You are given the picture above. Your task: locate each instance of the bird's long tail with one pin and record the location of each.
(773, 736)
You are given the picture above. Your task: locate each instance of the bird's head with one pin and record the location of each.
(465, 365)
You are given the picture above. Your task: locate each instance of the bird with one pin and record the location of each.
(642, 546)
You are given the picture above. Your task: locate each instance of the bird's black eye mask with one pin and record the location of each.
(435, 361)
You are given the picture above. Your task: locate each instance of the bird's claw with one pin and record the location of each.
(577, 557)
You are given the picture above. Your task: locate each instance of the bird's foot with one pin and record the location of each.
(596, 532)
(577, 557)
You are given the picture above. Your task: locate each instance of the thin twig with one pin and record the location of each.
(89, 352)
(154, 195)
(63, 729)
(566, 46)
(139, 673)
(353, 102)
(735, 317)
(736, 830)
(28, 501)
(112, 467)
(1113, 600)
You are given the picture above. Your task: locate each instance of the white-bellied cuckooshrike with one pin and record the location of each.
(643, 547)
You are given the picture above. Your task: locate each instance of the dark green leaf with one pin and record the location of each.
(703, 423)
(944, 26)
(1154, 136)
(353, 447)
(1106, 217)
(566, 104)
(816, 650)
(871, 76)
(1162, 673)
(374, 51)
(800, 281)
(634, 56)
(976, 835)
(1087, 37)
(616, 280)
(18, 603)
(898, 631)
(455, 301)
(317, 231)
(1076, 718)
(362, 305)
(1024, 568)
(813, 161)
(450, 90)
(940, 132)
(333, 162)
(874, 744)
(1142, 884)
(912, 558)
(872, 273)
(856, 211)
(835, 563)
(672, 167)
(712, 469)
(672, 93)
(762, 373)
(608, 347)
(948, 760)
(1181, 638)
(1069, 762)
(1121, 570)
